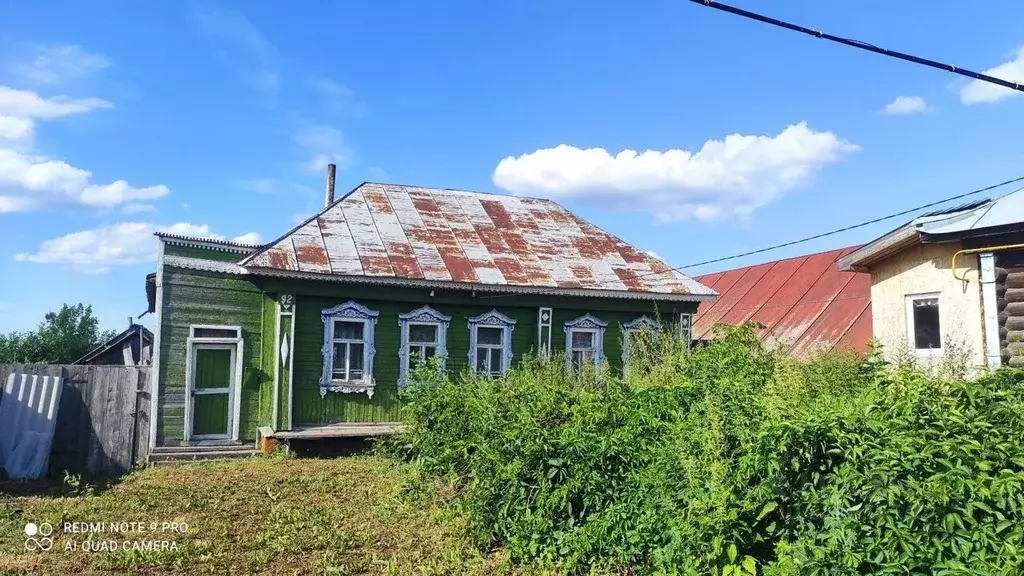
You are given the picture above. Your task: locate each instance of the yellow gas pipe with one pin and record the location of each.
(976, 251)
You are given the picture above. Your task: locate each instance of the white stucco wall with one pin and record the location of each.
(922, 269)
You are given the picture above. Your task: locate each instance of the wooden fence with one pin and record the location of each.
(103, 419)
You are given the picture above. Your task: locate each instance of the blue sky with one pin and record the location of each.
(121, 118)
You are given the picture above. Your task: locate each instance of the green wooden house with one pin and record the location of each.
(320, 327)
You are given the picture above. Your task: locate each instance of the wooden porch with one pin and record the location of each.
(270, 438)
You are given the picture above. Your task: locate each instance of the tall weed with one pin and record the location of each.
(728, 459)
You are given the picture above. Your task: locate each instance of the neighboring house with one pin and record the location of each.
(806, 304)
(951, 282)
(133, 347)
(323, 325)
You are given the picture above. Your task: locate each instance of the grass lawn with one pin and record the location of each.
(262, 516)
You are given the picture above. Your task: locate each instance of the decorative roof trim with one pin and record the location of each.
(204, 265)
(208, 243)
(526, 290)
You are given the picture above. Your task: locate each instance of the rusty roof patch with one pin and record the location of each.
(430, 234)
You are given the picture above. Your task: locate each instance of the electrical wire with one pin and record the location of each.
(801, 240)
(845, 228)
(859, 44)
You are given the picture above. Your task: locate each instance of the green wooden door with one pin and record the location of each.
(213, 376)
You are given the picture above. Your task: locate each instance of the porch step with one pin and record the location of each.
(171, 455)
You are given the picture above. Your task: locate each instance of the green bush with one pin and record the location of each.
(729, 460)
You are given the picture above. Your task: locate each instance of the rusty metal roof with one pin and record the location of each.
(387, 233)
(805, 303)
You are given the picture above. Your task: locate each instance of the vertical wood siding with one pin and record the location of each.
(193, 297)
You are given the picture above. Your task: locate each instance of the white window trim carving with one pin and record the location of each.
(586, 323)
(492, 319)
(641, 324)
(426, 316)
(351, 311)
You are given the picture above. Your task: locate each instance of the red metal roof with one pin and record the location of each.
(805, 303)
(437, 235)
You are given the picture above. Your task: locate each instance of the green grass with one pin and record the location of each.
(337, 517)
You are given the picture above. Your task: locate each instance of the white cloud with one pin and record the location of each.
(727, 178)
(239, 45)
(1012, 70)
(137, 208)
(906, 105)
(338, 98)
(248, 238)
(322, 145)
(97, 250)
(56, 64)
(16, 128)
(28, 104)
(34, 182)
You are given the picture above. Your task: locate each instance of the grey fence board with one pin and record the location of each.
(103, 420)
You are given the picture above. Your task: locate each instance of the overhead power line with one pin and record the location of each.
(843, 229)
(859, 44)
(806, 238)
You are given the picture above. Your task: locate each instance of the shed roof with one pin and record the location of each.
(805, 303)
(388, 232)
(976, 218)
(135, 329)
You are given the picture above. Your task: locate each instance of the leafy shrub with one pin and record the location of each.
(728, 460)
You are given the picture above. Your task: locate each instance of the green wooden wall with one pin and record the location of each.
(192, 297)
(310, 408)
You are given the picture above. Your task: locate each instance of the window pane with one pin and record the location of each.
(429, 352)
(481, 359)
(355, 359)
(214, 333)
(338, 367)
(422, 333)
(347, 330)
(926, 324)
(489, 335)
(577, 359)
(496, 362)
(582, 339)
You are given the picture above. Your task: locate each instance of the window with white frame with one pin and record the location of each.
(348, 348)
(632, 332)
(424, 335)
(924, 325)
(686, 327)
(584, 342)
(490, 343)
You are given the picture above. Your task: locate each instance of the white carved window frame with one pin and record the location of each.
(492, 319)
(586, 324)
(641, 324)
(424, 316)
(350, 311)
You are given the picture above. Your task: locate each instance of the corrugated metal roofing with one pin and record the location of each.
(438, 235)
(805, 303)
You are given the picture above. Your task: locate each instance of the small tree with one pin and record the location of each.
(61, 338)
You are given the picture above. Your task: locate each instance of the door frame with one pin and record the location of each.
(236, 345)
